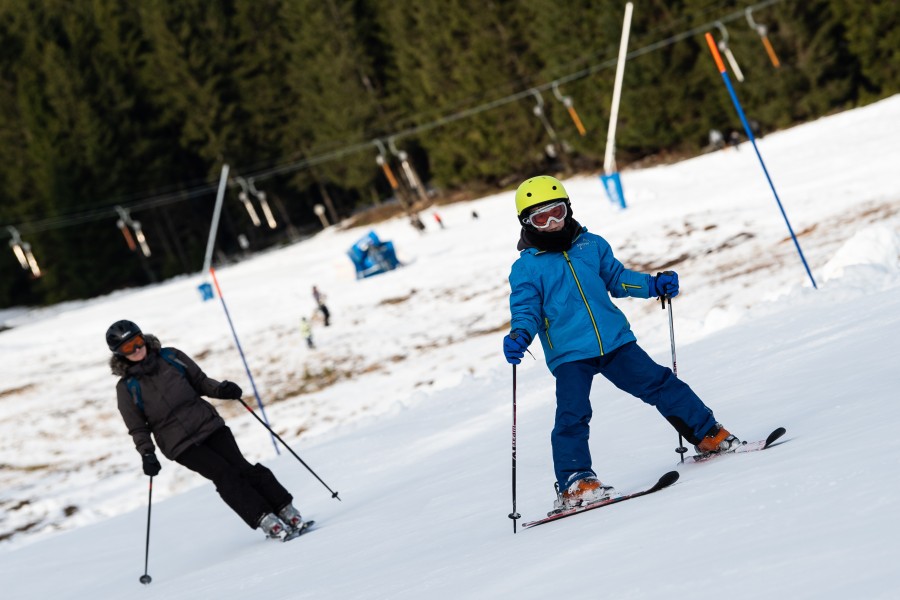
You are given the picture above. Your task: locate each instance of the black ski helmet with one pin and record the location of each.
(120, 332)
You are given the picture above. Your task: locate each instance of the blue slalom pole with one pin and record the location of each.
(737, 105)
(237, 343)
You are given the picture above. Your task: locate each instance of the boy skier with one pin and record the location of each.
(560, 290)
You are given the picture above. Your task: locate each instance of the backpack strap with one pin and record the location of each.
(168, 355)
(134, 386)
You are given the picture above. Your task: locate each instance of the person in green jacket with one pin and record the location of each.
(306, 332)
(159, 392)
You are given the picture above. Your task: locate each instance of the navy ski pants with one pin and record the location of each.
(250, 490)
(631, 370)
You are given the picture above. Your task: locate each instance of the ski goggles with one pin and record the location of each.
(543, 217)
(131, 346)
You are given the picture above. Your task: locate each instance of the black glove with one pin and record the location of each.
(228, 390)
(151, 464)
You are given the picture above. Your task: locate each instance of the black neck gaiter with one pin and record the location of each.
(556, 241)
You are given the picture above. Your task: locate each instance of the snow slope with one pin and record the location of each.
(414, 430)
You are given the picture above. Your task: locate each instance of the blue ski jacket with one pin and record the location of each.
(564, 298)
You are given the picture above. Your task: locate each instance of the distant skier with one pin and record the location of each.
(440, 221)
(306, 332)
(319, 297)
(417, 223)
(159, 392)
(716, 139)
(560, 290)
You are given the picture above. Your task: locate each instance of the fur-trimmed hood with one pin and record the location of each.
(119, 364)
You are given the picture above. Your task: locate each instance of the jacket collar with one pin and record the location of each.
(119, 364)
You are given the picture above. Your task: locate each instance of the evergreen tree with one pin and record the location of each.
(872, 33)
(105, 103)
(333, 103)
(449, 58)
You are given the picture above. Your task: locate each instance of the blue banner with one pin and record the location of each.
(613, 186)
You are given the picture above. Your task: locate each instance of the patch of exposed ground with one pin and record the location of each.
(17, 390)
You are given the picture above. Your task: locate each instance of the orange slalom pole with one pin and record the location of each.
(740, 111)
(715, 52)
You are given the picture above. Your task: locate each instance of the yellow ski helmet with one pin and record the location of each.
(538, 190)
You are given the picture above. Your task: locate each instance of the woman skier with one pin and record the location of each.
(159, 391)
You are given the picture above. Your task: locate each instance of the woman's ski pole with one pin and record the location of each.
(146, 579)
(278, 437)
(681, 448)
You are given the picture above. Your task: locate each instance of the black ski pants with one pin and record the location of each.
(250, 490)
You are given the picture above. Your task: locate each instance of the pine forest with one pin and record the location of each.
(116, 118)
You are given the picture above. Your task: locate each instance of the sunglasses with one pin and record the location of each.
(131, 346)
(544, 216)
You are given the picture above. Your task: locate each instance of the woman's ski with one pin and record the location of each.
(664, 482)
(306, 526)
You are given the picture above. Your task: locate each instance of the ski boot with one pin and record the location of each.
(717, 441)
(581, 492)
(273, 527)
(291, 517)
(296, 525)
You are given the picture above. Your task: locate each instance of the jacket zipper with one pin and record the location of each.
(547, 331)
(586, 305)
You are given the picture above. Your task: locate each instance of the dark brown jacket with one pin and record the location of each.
(173, 409)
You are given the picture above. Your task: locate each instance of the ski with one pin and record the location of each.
(744, 447)
(664, 482)
(307, 525)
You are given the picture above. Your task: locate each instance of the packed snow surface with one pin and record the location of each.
(405, 406)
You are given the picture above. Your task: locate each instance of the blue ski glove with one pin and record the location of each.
(514, 346)
(151, 464)
(665, 284)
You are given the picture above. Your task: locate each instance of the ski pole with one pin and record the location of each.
(681, 448)
(146, 579)
(514, 515)
(278, 437)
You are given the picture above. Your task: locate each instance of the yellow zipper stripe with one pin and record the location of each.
(584, 299)
(625, 286)
(547, 331)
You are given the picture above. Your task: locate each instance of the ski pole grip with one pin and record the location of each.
(514, 336)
